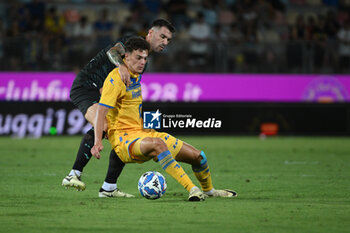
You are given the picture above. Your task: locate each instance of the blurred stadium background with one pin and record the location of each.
(241, 36)
(278, 36)
(279, 65)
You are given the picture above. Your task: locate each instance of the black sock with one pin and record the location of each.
(84, 153)
(115, 167)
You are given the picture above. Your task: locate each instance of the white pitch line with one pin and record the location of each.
(287, 162)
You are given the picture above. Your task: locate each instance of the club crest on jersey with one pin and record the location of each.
(136, 94)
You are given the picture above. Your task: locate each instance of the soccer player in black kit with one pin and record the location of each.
(87, 87)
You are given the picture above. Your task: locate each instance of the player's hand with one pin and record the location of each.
(124, 75)
(96, 149)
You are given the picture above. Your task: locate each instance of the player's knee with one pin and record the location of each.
(196, 159)
(152, 147)
(159, 146)
(200, 159)
(201, 162)
(195, 156)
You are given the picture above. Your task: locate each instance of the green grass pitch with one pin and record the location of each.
(285, 184)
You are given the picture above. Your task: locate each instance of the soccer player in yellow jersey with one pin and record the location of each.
(122, 106)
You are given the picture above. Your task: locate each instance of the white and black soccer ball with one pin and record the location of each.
(152, 185)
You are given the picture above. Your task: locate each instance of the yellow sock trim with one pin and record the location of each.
(168, 163)
(204, 178)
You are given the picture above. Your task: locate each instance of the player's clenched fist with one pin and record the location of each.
(96, 149)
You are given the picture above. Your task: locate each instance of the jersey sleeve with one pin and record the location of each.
(123, 39)
(113, 89)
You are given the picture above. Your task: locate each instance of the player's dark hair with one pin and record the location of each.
(163, 23)
(136, 43)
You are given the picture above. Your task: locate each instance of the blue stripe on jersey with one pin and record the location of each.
(134, 86)
(105, 105)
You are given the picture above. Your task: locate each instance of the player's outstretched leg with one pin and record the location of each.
(109, 187)
(83, 157)
(203, 175)
(200, 168)
(155, 147)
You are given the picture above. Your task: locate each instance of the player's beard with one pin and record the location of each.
(161, 48)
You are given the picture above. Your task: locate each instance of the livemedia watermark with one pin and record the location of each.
(157, 120)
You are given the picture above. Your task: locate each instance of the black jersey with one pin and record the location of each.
(96, 71)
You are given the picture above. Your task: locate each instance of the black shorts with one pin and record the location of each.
(83, 97)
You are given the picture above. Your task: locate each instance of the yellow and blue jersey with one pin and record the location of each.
(125, 103)
(125, 123)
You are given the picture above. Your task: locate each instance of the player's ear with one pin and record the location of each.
(150, 32)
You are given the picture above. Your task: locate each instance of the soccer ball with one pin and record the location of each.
(152, 185)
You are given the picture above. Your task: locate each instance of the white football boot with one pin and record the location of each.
(221, 193)
(74, 182)
(114, 193)
(196, 194)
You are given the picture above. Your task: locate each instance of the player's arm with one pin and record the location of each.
(112, 90)
(98, 125)
(115, 56)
